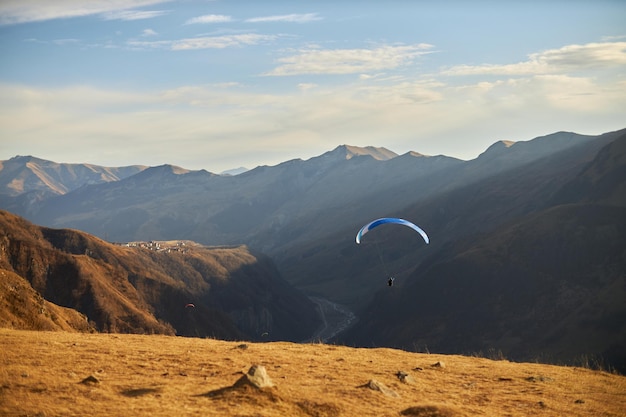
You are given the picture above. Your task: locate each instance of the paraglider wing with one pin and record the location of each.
(190, 305)
(386, 220)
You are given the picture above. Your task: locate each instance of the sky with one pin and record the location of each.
(222, 84)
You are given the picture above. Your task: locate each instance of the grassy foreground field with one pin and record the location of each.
(78, 374)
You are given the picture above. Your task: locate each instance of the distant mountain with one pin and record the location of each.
(26, 181)
(546, 284)
(348, 152)
(23, 174)
(168, 202)
(234, 171)
(303, 213)
(133, 289)
(464, 200)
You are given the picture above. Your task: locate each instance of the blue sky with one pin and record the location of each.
(220, 84)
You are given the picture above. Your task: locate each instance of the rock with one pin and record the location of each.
(257, 377)
(438, 364)
(405, 378)
(432, 411)
(379, 386)
(90, 380)
(539, 378)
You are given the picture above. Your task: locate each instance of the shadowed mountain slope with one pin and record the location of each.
(139, 290)
(23, 308)
(547, 285)
(337, 268)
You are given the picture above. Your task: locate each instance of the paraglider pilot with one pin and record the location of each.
(390, 282)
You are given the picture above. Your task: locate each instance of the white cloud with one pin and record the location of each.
(566, 59)
(292, 18)
(209, 18)
(348, 61)
(62, 42)
(589, 56)
(207, 42)
(613, 38)
(133, 14)
(425, 115)
(23, 11)
(148, 32)
(306, 86)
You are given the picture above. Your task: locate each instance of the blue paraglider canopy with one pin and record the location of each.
(393, 220)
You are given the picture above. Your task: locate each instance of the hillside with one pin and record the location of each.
(236, 294)
(503, 185)
(21, 307)
(59, 373)
(549, 285)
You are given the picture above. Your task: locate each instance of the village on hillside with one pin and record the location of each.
(161, 245)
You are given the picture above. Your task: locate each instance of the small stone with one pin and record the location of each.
(256, 376)
(405, 378)
(579, 401)
(438, 364)
(90, 380)
(379, 386)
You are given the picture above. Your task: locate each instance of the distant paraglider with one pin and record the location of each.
(389, 220)
(190, 306)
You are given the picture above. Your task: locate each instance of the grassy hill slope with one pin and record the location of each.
(71, 374)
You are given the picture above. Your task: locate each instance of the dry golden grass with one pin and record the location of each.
(78, 374)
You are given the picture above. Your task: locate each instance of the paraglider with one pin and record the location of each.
(385, 220)
(389, 220)
(190, 305)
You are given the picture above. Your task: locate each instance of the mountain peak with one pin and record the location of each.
(414, 154)
(166, 169)
(234, 171)
(349, 152)
(497, 149)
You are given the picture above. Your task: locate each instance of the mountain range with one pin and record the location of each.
(527, 252)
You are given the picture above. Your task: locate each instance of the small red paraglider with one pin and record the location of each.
(190, 305)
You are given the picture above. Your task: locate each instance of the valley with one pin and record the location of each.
(335, 320)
